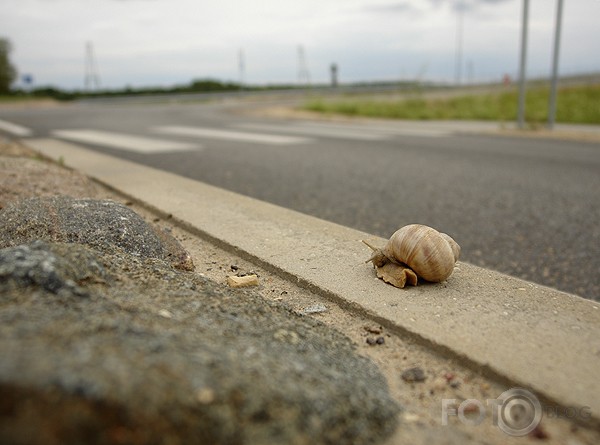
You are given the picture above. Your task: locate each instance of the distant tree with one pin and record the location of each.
(7, 71)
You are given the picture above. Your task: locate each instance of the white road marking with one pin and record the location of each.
(416, 129)
(213, 133)
(15, 129)
(350, 131)
(339, 133)
(124, 141)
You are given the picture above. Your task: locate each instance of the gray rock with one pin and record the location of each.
(153, 355)
(415, 374)
(38, 265)
(101, 224)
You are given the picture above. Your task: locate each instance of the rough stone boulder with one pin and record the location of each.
(37, 265)
(113, 345)
(101, 224)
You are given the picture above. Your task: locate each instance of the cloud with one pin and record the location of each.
(148, 42)
(396, 7)
(406, 6)
(469, 5)
(464, 5)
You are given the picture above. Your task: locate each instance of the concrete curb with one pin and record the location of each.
(523, 333)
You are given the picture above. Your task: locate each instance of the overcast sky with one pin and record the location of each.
(168, 42)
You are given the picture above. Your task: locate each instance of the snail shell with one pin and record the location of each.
(429, 253)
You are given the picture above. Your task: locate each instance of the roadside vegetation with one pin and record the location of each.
(8, 73)
(196, 86)
(575, 104)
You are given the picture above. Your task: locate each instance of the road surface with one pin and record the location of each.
(524, 206)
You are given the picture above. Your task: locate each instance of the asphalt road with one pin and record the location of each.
(524, 206)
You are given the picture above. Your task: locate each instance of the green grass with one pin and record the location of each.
(577, 104)
(12, 99)
(16, 100)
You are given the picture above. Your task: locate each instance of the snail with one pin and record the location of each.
(415, 251)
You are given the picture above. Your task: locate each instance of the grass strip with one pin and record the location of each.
(575, 104)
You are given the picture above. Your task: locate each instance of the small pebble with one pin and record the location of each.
(165, 313)
(247, 280)
(373, 330)
(411, 418)
(449, 376)
(205, 396)
(314, 309)
(439, 384)
(539, 433)
(415, 374)
(471, 408)
(375, 341)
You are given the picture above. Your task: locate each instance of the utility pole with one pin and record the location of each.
(91, 79)
(459, 44)
(303, 74)
(470, 73)
(242, 67)
(553, 85)
(521, 110)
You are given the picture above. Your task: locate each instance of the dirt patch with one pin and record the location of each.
(24, 174)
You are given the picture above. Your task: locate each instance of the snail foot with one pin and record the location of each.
(396, 275)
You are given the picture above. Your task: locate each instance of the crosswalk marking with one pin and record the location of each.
(257, 133)
(213, 133)
(124, 141)
(14, 129)
(339, 133)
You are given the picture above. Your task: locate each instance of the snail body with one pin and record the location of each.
(423, 250)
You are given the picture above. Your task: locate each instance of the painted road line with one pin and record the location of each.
(338, 133)
(213, 133)
(124, 141)
(389, 130)
(14, 129)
